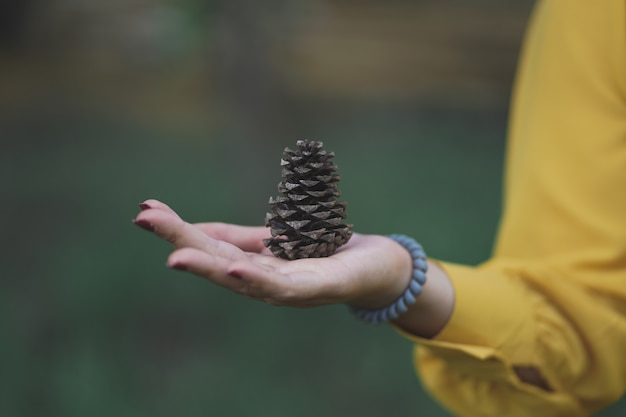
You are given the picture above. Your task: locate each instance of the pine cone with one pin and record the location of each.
(306, 218)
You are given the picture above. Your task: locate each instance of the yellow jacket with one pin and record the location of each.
(553, 296)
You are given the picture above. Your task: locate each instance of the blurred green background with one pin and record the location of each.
(106, 104)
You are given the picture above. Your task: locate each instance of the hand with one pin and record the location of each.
(369, 271)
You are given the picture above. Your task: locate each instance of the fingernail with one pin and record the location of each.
(144, 225)
(177, 266)
(144, 206)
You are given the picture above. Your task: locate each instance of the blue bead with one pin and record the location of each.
(419, 276)
(415, 287)
(409, 299)
(418, 253)
(377, 316)
(417, 292)
(369, 316)
(413, 244)
(401, 306)
(384, 315)
(420, 264)
(393, 311)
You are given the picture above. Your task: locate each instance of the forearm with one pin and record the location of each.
(433, 308)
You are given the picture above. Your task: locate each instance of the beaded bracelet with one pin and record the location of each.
(408, 297)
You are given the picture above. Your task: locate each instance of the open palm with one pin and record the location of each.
(369, 271)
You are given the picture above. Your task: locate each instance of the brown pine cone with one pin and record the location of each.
(306, 218)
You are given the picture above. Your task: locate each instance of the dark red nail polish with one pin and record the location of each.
(144, 206)
(178, 266)
(144, 225)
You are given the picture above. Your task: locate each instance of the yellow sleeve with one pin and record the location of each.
(553, 296)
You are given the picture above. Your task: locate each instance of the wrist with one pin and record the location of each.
(433, 308)
(422, 306)
(409, 295)
(385, 283)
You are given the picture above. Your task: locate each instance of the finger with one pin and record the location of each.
(155, 204)
(300, 283)
(169, 226)
(218, 270)
(206, 265)
(248, 238)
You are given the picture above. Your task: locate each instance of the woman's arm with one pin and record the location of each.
(370, 271)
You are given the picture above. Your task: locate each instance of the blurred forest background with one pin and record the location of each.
(106, 103)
